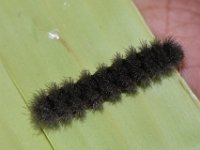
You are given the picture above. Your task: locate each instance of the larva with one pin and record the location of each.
(71, 99)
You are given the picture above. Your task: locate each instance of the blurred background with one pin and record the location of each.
(180, 18)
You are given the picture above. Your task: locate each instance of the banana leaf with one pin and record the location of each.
(45, 41)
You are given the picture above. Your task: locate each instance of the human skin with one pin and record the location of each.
(180, 19)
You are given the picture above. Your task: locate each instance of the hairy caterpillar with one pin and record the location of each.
(71, 99)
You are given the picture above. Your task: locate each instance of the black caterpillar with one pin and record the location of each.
(60, 104)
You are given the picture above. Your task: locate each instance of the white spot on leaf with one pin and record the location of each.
(53, 35)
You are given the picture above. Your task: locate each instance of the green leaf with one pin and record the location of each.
(86, 33)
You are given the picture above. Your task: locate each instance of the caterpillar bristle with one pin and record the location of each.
(62, 103)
